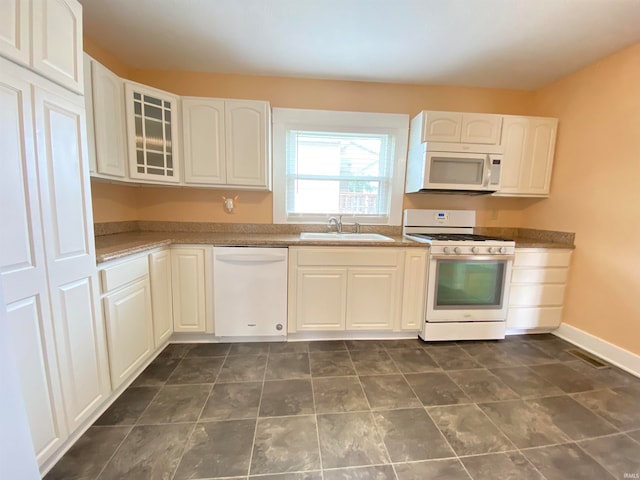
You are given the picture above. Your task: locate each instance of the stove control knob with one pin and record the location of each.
(491, 250)
(458, 250)
(475, 250)
(446, 250)
(503, 249)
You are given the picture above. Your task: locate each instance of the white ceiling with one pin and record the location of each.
(521, 44)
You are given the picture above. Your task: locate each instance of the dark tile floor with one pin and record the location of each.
(399, 409)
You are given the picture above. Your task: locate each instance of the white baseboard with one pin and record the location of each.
(613, 354)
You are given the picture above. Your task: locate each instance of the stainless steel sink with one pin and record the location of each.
(345, 237)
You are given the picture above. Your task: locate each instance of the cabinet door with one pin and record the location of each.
(69, 249)
(152, 134)
(442, 127)
(161, 302)
(23, 269)
(414, 290)
(108, 121)
(15, 30)
(247, 132)
(529, 144)
(543, 141)
(189, 289)
(481, 128)
(129, 329)
(204, 141)
(372, 298)
(514, 139)
(57, 42)
(321, 296)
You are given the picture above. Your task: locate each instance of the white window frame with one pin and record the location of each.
(394, 124)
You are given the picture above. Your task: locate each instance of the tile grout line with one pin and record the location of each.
(114, 452)
(478, 407)
(597, 414)
(255, 430)
(613, 475)
(375, 424)
(195, 424)
(315, 417)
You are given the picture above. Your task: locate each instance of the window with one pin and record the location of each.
(338, 163)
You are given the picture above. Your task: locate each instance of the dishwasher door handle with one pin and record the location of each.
(249, 259)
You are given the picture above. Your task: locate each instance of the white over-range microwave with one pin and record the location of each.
(433, 171)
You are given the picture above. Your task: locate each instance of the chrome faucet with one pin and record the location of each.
(337, 222)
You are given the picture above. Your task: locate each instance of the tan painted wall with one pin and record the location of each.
(201, 205)
(104, 57)
(596, 193)
(114, 203)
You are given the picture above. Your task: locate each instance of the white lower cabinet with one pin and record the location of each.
(192, 289)
(346, 288)
(373, 298)
(161, 301)
(320, 298)
(128, 317)
(538, 282)
(414, 288)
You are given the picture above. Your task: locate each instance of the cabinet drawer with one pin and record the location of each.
(123, 273)
(536, 295)
(539, 275)
(529, 318)
(344, 256)
(542, 258)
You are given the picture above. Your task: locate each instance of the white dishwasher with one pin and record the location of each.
(250, 291)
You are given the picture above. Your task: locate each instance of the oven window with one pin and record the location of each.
(469, 284)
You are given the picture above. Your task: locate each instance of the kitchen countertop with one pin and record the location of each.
(115, 246)
(112, 247)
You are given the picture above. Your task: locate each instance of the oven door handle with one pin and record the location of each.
(472, 257)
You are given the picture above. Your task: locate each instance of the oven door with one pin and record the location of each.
(470, 288)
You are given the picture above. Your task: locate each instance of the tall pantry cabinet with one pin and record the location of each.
(47, 253)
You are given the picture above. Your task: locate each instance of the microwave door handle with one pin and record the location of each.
(487, 165)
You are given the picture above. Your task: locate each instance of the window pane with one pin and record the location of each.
(336, 197)
(338, 173)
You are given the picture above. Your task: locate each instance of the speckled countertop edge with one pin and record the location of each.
(113, 247)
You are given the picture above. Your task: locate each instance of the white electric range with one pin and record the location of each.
(468, 276)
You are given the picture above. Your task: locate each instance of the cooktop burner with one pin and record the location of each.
(458, 237)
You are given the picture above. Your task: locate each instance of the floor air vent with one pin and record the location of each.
(585, 357)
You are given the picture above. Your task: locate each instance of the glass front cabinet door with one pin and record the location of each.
(152, 133)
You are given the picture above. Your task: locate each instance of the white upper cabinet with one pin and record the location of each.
(455, 127)
(152, 134)
(45, 35)
(104, 97)
(204, 141)
(481, 128)
(247, 132)
(226, 142)
(529, 145)
(15, 30)
(441, 126)
(57, 41)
